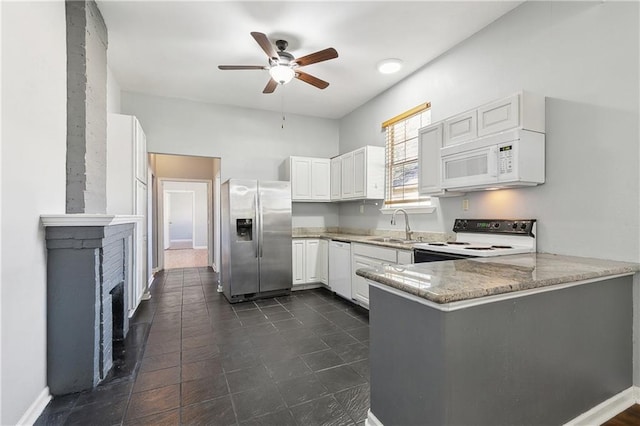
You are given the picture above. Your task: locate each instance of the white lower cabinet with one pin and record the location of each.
(310, 261)
(369, 256)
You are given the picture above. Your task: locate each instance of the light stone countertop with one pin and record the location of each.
(369, 239)
(458, 280)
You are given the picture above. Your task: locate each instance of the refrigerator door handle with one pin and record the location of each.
(260, 229)
(256, 231)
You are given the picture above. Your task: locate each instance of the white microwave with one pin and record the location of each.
(505, 160)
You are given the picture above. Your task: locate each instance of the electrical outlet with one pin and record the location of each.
(465, 204)
(361, 208)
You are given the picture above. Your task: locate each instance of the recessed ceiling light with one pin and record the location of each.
(389, 66)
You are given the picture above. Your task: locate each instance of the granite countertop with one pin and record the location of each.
(370, 239)
(457, 280)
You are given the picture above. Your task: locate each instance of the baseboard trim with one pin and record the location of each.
(595, 416)
(199, 247)
(35, 409)
(372, 420)
(607, 409)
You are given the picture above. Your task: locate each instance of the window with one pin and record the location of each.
(401, 181)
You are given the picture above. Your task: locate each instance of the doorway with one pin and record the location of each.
(186, 223)
(174, 173)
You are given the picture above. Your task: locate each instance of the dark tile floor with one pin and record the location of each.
(192, 358)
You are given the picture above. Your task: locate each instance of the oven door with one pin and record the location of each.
(423, 256)
(470, 168)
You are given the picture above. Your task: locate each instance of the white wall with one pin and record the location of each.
(33, 183)
(584, 57)
(199, 190)
(250, 143)
(113, 93)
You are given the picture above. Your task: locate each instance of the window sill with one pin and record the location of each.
(409, 210)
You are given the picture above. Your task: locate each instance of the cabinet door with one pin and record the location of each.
(429, 144)
(347, 175)
(359, 285)
(140, 147)
(300, 178)
(336, 178)
(359, 172)
(405, 257)
(498, 116)
(460, 128)
(311, 266)
(323, 261)
(297, 256)
(320, 179)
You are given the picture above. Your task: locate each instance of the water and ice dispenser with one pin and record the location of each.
(244, 229)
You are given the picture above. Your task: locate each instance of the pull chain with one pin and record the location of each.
(282, 106)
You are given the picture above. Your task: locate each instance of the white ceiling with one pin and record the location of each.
(173, 48)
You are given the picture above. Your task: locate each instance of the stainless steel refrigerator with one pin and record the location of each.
(256, 239)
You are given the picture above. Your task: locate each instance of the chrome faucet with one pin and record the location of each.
(406, 221)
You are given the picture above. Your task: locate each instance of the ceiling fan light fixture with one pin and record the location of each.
(389, 66)
(282, 73)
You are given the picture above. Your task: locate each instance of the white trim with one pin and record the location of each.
(181, 240)
(199, 247)
(410, 210)
(607, 409)
(595, 416)
(82, 219)
(36, 408)
(464, 304)
(372, 420)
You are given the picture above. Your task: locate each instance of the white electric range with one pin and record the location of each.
(481, 238)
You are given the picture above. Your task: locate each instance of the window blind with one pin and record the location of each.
(401, 180)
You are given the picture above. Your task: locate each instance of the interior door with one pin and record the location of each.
(181, 219)
(274, 222)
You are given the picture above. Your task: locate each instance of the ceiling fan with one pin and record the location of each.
(283, 66)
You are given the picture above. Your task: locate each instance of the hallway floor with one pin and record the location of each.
(193, 358)
(186, 258)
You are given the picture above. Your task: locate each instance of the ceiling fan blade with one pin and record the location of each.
(313, 58)
(271, 86)
(241, 67)
(314, 81)
(266, 45)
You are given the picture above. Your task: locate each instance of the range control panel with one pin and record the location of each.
(495, 226)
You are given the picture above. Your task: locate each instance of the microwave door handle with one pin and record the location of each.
(493, 161)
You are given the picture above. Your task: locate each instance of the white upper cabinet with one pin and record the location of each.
(336, 178)
(126, 164)
(141, 157)
(320, 179)
(310, 178)
(429, 144)
(523, 110)
(346, 174)
(461, 128)
(362, 173)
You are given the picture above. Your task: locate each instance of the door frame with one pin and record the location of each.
(160, 225)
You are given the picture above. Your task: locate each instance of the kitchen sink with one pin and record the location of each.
(392, 240)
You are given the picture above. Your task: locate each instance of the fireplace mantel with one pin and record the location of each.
(82, 219)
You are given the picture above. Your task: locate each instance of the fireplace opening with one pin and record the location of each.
(117, 312)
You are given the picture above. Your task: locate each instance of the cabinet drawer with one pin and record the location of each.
(381, 253)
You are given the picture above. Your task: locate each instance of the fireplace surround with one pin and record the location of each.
(89, 272)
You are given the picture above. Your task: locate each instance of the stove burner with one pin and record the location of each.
(479, 248)
(458, 243)
(501, 247)
(437, 244)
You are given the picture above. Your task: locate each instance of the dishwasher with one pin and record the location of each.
(340, 268)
